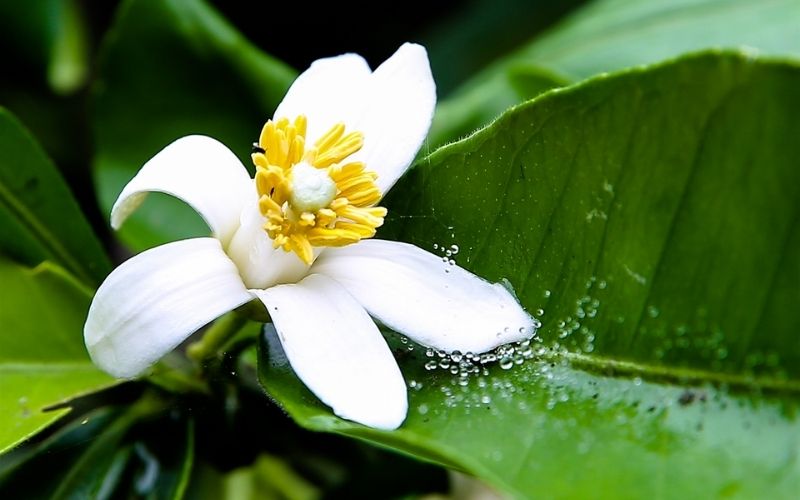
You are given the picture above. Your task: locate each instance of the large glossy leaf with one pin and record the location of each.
(42, 357)
(39, 218)
(171, 69)
(649, 219)
(610, 35)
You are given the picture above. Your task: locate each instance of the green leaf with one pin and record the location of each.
(609, 35)
(110, 453)
(39, 218)
(466, 40)
(21, 469)
(43, 361)
(171, 69)
(267, 478)
(652, 217)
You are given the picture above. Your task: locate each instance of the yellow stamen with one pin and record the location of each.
(346, 218)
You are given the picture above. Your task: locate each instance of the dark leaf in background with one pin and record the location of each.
(39, 218)
(139, 452)
(171, 69)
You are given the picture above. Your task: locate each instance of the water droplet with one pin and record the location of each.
(540, 312)
(444, 364)
(488, 357)
(486, 399)
(452, 262)
(637, 381)
(506, 362)
(403, 340)
(456, 356)
(454, 249)
(436, 246)
(429, 352)
(448, 253)
(412, 384)
(422, 409)
(446, 260)
(431, 365)
(652, 311)
(602, 285)
(546, 294)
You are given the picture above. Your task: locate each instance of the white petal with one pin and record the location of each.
(260, 265)
(155, 300)
(330, 91)
(200, 171)
(337, 351)
(397, 113)
(417, 294)
(392, 107)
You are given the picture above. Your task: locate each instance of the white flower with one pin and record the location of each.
(296, 238)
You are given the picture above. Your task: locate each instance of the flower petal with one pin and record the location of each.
(260, 264)
(392, 107)
(200, 171)
(417, 294)
(155, 300)
(397, 114)
(337, 351)
(327, 93)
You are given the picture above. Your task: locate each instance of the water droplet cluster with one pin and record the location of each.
(575, 329)
(448, 253)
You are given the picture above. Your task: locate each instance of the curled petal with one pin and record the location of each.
(155, 300)
(337, 351)
(417, 294)
(200, 171)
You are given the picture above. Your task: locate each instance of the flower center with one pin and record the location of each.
(312, 196)
(312, 188)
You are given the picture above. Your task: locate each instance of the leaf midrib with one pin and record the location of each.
(677, 374)
(40, 232)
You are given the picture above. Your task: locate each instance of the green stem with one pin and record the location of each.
(216, 336)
